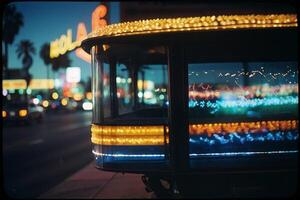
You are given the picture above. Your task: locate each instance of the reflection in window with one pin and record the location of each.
(124, 82)
(133, 87)
(152, 85)
(141, 80)
(106, 91)
(247, 90)
(96, 75)
(243, 107)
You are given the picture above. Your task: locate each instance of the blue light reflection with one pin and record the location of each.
(243, 138)
(192, 155)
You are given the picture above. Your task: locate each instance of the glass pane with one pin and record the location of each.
(141, 82)
(124, 87)
(243, 108)
(106, 91)
(95, 86)
(96, 91)
(137, 129)
(152, 85)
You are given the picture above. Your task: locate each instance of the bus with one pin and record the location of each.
(202, 106)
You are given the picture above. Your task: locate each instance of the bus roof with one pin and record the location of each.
(187, 24)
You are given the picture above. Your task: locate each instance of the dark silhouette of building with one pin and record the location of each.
(131, 11)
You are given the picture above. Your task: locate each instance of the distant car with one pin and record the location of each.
(87, 105)
(15, 112)
(35, 112)
(22, 112)
(72, 105)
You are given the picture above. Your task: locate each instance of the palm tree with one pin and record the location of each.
(12, 21)
(63, 61)
(45, 56)
(25, 49)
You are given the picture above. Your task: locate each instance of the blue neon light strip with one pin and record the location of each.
(129, 155)
(193, 154)
(243, 138)
(260, 102)
(242, 153)
(268, 101)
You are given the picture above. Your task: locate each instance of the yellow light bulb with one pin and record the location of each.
(55, 95)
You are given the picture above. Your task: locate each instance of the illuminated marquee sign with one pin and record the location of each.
(14, 84)
(64, 43)
(98, 17)
(35, 84)
(81, 34)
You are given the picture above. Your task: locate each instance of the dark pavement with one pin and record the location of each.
(91, 183)
(39, 156)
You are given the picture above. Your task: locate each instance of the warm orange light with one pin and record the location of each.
(81, 34)
(45, 103)
(89, 95)
(102, 22)
(128, 135)
(63, 44)
(4, 114)
(81, 31)
(242, 127)
(55, 95)
(101, 11)
(35, 84)
(83, 55)
(77, 97)
(202, 23)
(64, 101)
(14, 84)
(97, 17)
(22, 113)
(158, 135)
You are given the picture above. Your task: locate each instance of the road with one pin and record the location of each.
(39, 156)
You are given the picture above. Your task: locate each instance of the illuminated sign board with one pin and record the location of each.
(64, 43)
(14, 84)
(81, 34)
(73, 74)
(35, 84)
(98, 17)
(149, 85)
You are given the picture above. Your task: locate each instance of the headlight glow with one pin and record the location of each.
(64, 101)
(87, 106)
(23, 112)
(45, 103)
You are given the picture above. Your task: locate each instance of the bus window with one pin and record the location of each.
(152, 90)
(130, 93)
(243, 90)
(140, 79)
(242, 107)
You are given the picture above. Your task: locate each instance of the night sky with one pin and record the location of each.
(47, 21)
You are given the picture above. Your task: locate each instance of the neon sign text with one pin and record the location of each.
(63, 44)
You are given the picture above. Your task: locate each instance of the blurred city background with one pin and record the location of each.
(46, 100)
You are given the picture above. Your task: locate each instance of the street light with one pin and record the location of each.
(55, 95)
